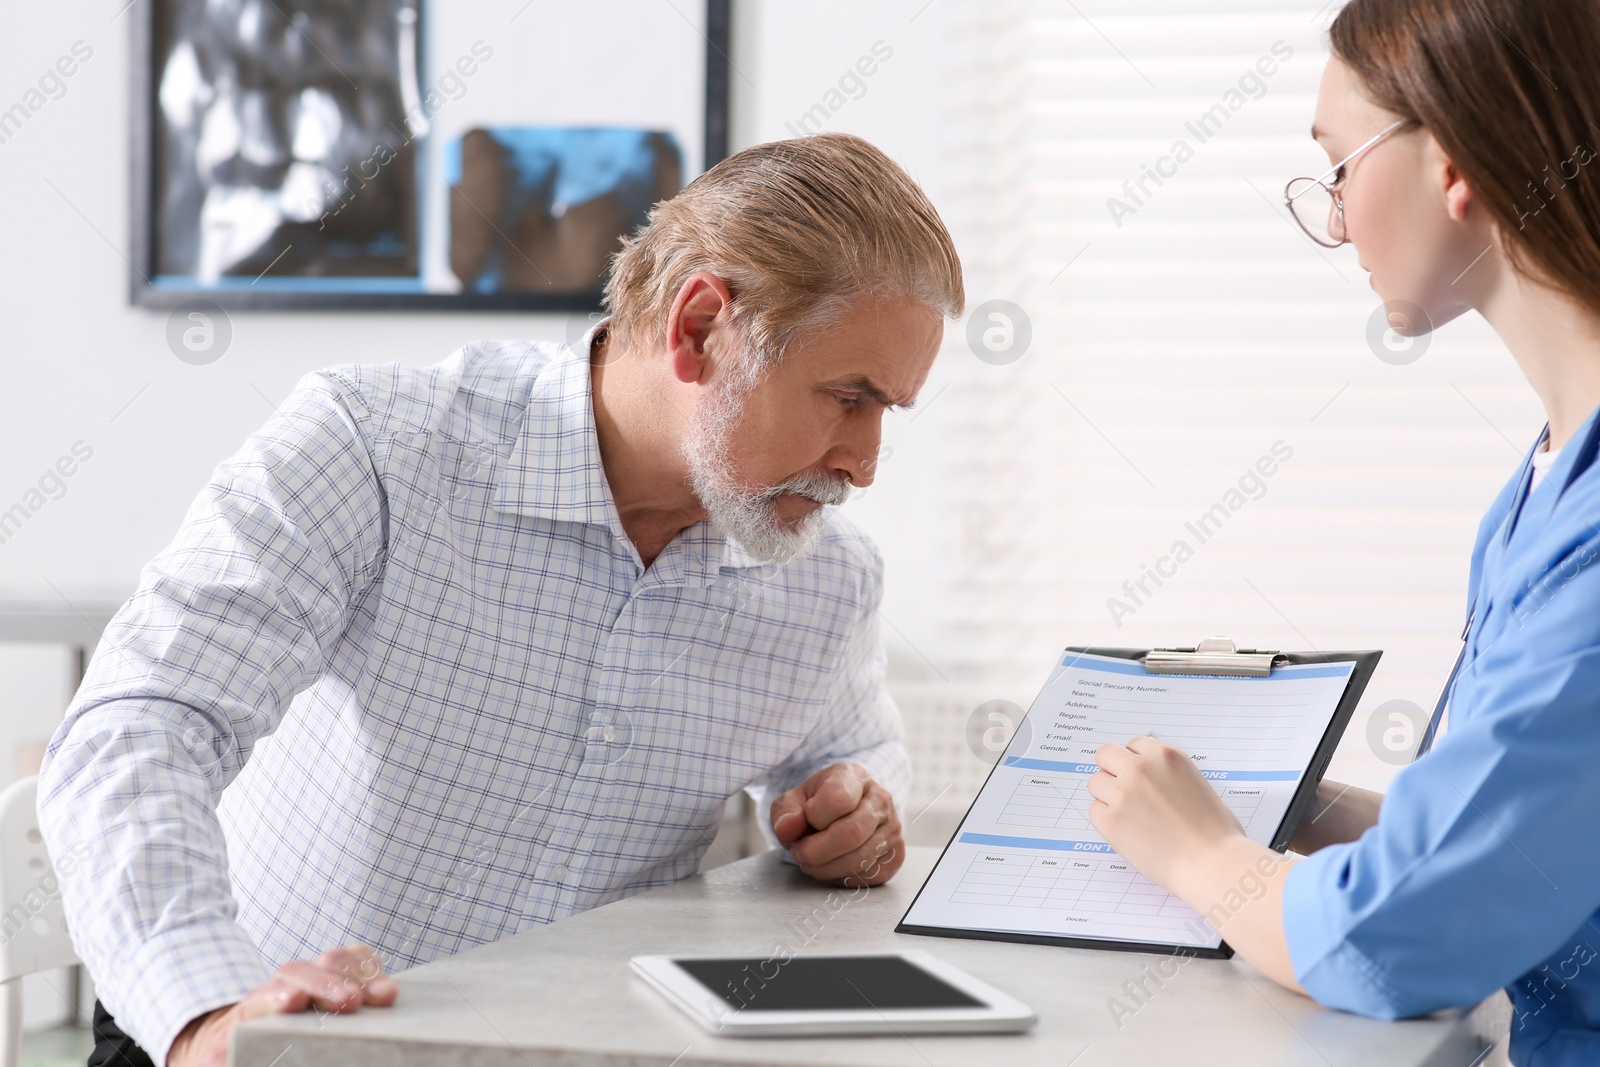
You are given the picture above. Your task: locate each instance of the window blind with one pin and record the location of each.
(1199, 437)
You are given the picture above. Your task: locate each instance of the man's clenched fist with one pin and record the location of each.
(841, 827)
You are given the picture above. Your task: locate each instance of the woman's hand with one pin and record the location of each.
(1152, 805)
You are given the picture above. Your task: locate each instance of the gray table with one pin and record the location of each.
(564, 994)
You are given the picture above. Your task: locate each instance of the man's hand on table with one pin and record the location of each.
(841, 827)
(339, 980)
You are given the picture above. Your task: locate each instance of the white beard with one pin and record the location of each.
(749, 516)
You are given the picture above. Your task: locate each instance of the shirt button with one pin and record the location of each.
(609, 734)
(559, 872)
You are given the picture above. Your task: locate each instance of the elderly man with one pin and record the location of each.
(445, 654)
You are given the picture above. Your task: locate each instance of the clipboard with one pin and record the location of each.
(1217, 657)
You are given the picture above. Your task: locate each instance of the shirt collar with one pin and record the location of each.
(554, 472)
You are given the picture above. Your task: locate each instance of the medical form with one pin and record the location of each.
(1027, 861)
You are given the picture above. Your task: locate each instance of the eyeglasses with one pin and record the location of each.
(1318, 205)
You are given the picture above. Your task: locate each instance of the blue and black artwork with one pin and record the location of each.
(541, 208)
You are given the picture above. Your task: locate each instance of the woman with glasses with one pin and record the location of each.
(1462, 136)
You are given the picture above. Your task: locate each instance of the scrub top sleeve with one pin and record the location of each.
(1484, 860)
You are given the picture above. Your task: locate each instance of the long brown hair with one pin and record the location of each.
(1511, 90)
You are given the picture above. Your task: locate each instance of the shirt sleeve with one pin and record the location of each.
(1483, 861)
(228, 623)
(861, 724)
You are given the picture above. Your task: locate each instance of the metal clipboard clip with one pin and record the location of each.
(1215, 656)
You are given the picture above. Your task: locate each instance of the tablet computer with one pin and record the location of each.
(832, 993)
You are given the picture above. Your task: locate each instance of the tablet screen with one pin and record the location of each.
(825, 983)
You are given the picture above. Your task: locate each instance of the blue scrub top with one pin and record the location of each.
(1484, 869)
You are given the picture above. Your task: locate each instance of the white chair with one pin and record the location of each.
(33, 928)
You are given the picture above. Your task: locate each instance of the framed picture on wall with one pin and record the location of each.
(411, 153)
